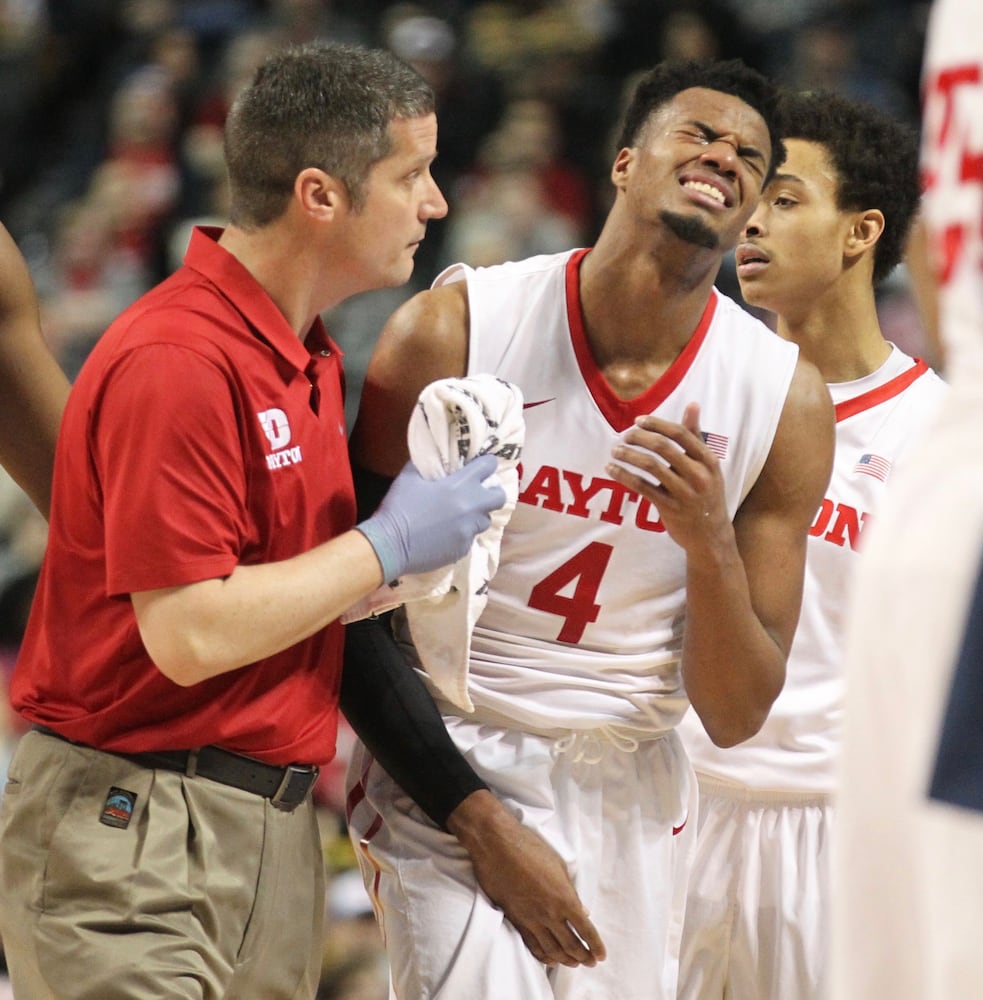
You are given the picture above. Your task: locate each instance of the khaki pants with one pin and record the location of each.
(208, 892)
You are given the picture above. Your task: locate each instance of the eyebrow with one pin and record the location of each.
(712, 134)
(786, 179)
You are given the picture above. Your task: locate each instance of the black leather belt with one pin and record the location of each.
(285, 787)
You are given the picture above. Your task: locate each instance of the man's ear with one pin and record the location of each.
(320, 193)
(865, 232)
(621, 166)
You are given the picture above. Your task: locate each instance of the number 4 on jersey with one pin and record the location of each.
(579, 608)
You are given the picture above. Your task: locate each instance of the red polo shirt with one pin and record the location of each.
(201, 434)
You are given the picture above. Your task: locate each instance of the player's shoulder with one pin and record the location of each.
(932, 384)
(438, 308)
(743, 337)
(923, 383)
(923, 398)
(507, 271)
(729, 311)
(427, 333)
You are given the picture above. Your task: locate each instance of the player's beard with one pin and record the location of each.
(691, 228)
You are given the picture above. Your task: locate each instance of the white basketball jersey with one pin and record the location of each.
(584, 621)
(877, 419)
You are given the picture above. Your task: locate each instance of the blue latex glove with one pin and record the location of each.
(423, 524)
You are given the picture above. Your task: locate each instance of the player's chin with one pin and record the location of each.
(749, 292)
(754, 291)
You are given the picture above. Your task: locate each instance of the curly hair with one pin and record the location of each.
(323, 105)
(875, 157)
(662, 83)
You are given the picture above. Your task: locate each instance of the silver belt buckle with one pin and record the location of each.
(290, 772)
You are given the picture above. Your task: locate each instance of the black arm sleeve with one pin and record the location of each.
(370, 488)
(394, 715)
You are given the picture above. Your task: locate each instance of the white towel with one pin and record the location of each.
(456, 419)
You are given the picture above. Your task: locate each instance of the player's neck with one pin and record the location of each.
(840, 334)
(643, 304)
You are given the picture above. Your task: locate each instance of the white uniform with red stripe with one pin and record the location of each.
(575, 662)
(908, 877)
(758, 920)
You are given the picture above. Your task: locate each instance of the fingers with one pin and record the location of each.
(562, 933)
(662, 465)
(670, 465)
(691, 418)
(525, 876)
(542, 946)
(669, 438)
(476, 471)
(562, 944)
(468, 485)
(575, 939)
(670, 456)
(482, 466)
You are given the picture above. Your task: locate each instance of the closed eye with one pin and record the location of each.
(754, 159)
(697, 134)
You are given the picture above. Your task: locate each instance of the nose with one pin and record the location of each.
(434, 204)
(721, 154)
(755, 226)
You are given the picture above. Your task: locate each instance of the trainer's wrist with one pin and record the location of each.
(385, 551)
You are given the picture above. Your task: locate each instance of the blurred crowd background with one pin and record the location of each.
(111, 115)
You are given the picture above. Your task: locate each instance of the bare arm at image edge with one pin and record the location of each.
(33, 388)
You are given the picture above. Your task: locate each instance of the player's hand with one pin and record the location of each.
(526, 878)
(670, 465)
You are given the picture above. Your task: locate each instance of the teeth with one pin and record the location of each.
(709, 189)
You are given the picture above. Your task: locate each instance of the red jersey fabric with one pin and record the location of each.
(201, 434)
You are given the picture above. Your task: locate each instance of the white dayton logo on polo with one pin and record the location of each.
(276, 427)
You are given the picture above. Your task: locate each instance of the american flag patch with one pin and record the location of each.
(717, 443)
(874, 465)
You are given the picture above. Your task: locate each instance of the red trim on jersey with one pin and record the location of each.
(890, 389)
(355, 797)
(621, 413)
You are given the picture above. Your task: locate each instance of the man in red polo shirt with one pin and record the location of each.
(182, 663)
